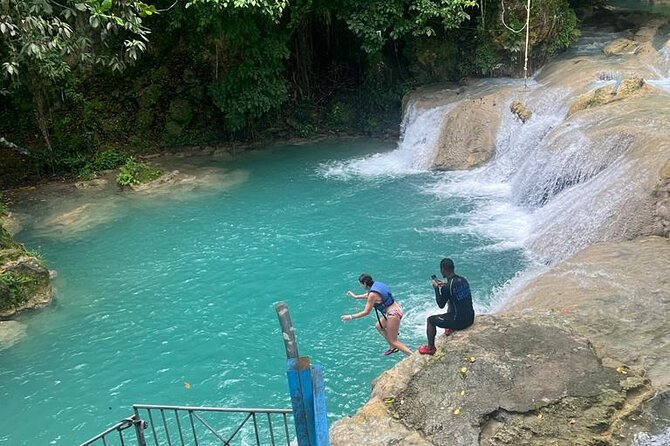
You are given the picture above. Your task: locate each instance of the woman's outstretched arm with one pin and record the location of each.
(368, 308)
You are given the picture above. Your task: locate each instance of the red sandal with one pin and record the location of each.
(427, 350)
(448, 331)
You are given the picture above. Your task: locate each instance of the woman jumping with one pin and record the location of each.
(379, 297)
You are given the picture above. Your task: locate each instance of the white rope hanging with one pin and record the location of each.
(527, 28)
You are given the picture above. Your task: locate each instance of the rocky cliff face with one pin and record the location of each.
(581, 358)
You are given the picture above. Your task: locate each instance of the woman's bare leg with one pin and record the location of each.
(392, 329)
(382, 331)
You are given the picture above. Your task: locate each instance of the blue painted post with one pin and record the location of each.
(320, 412)
(300, 397)
(306, 387)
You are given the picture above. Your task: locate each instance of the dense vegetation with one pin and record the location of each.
(87, 84)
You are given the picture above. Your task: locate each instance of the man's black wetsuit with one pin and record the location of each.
(455, 291)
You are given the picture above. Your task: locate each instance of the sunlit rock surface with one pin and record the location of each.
(468, 135)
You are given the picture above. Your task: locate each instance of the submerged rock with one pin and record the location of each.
(11, 332)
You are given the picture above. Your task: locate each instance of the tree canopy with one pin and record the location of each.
(73, 71)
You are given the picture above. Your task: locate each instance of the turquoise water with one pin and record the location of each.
(179, 288)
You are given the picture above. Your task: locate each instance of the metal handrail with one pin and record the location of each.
(168, 429)
(118, 428)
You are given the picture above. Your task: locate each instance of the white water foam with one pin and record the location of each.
(420, 130)
(533, 195)
(493, 214)
(646, 439)
(661, 84)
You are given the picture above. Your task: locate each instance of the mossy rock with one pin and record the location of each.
(25, 285)
(24, 281)
(631, 86)
(521, 111)
(620, 46)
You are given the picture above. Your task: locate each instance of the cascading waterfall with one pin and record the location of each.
(556, 183)
(552, 187)
(420, 129)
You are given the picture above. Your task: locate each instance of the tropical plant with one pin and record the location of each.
(378, 21)
(42, 42)
(134, 172)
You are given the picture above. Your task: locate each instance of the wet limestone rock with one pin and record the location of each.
(620, 46)
(648, 31)
(521, 111)
(662, 196)
(468, 135)
(631, 86)
(617, 295)
(512, 379)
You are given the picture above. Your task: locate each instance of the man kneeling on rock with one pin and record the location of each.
(454, 291)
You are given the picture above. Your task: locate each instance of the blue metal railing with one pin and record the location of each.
(155, 425)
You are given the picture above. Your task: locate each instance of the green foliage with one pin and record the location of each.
(105, 160)
(271, 8)
(4, 209)
(433, 59)
(376, 22)
(18, 287)
(256, 84)
(44, 41)
(567, 33)
(487, 60)
(239, 69)
(134, 172)
(43, 38)
(553, 27)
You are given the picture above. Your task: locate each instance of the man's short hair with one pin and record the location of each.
(447, 264)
